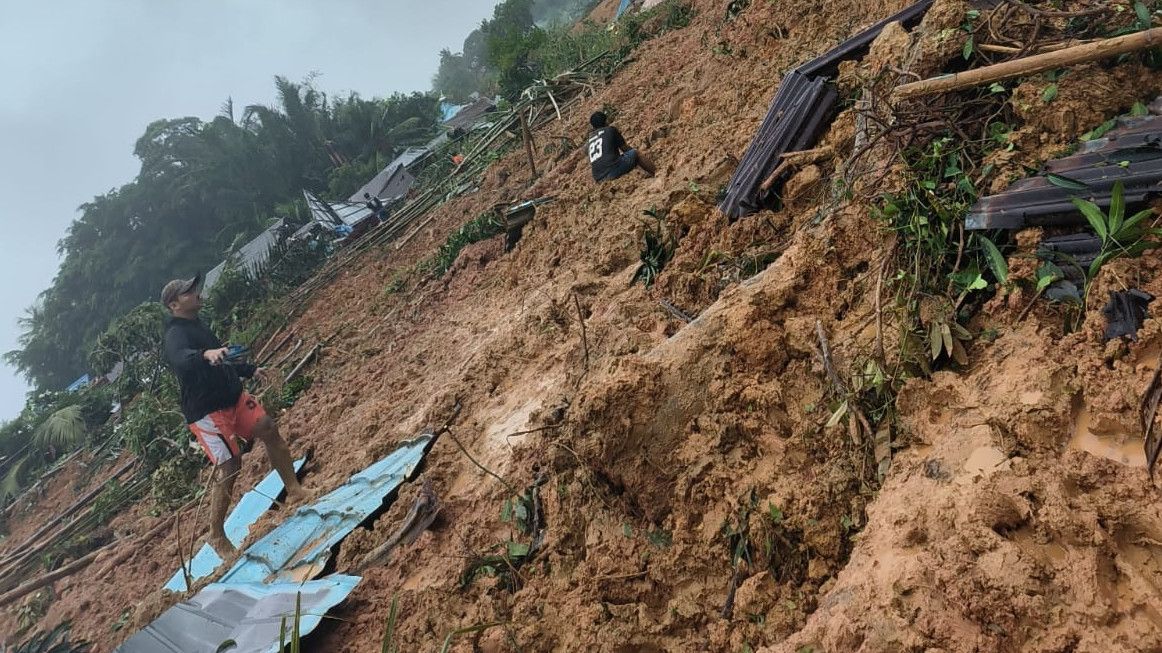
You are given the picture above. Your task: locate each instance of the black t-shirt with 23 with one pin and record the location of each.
(605, 146)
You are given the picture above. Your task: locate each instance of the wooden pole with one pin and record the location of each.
(67, 570)
(528, 139)
(1031, 65)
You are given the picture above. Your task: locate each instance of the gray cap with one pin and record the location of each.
(179, 287)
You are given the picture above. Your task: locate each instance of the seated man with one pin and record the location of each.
(609, 155)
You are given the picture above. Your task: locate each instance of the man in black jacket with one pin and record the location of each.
(609, 155)
(224, 418)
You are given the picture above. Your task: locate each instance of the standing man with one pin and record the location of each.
(609, 155)
(224, 418)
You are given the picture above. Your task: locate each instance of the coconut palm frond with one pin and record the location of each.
(64, 430)
(14, 480)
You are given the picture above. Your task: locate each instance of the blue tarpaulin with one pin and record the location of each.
(250, 507)
(621, 8)
(298, 548)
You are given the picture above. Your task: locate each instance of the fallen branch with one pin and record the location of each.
(261, 359)
(67, 570)
(584, 337)
(1031, 65)
(835, 380)
(675, 311)
(421, 515)
(303, 363)
(289, 353)
(1146, 411)
(799, 158)
(17, 551)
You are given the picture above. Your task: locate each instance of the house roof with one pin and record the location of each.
(251, 256)
(394, 180)
(333, 213)
(467, 116)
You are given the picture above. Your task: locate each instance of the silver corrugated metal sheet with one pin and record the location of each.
(249, 614)
(251, 256)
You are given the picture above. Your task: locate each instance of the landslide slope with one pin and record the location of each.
(681, 464)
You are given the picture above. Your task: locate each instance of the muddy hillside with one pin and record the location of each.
(962, 471)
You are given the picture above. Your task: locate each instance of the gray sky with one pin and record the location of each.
(80, 80)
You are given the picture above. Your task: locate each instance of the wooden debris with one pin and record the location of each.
(303, 363)
(421, 515)
(51, 577)
(1038, 63)
(1147, 410)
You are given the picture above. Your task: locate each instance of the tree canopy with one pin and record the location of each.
(202, 184)
(499, 56)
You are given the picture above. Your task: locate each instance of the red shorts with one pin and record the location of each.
(223, 432)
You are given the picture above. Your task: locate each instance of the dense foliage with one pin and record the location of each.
(202, 185)
(501, 54)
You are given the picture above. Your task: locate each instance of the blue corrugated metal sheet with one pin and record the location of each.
(298, 548)
(250, 614)
(250, 507)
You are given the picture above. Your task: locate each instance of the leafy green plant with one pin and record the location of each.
(53, 641)
(389, 628)
(1121, 237)
(658, 246)
(482, 227)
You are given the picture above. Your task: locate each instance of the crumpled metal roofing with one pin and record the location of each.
(334, 213)
(797, 116)
(237, 526)
(298, 549)
(250, 614)
(249, 257)
(1130, 153)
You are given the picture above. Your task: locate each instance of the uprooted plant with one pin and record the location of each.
(524, 512)
(658, 245)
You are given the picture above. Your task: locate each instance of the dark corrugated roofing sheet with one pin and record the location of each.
(1130, 153)
(792, 123)
(857, 46)
(802, 105)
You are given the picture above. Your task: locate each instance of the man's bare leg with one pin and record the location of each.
(279, 455)
(645, 164)
(219, 502)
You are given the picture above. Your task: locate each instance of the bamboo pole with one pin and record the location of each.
(1031, 65)
(17, 551)
(67, 570)
(528, 140)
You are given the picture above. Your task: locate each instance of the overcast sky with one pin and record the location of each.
(80, 80)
